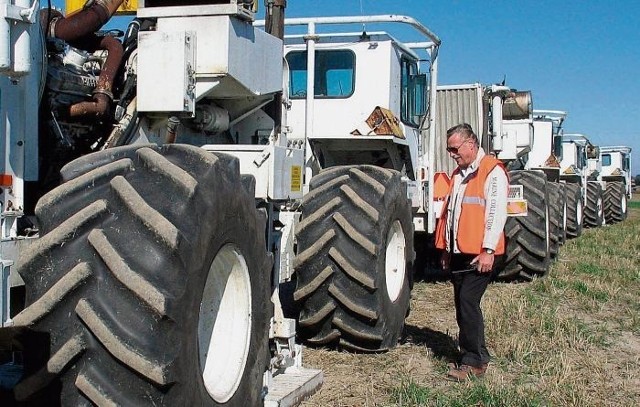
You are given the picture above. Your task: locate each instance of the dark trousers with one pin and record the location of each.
(468, 289)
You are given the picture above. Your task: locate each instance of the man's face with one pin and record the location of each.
(461, 149)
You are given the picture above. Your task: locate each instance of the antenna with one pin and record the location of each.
(364, 28)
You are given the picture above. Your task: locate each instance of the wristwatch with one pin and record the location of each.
(489, 251)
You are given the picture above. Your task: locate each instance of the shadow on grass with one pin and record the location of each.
(442, 346)
(430, 273)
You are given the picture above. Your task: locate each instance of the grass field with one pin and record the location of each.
(635, 201)
(569, 339)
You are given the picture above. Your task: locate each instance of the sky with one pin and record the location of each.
(582, 57)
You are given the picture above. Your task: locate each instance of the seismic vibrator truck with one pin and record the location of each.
(616, 173)
(184, 200)
(580, 169)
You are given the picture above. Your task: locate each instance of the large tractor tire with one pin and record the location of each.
(562, 233)
(594, 208)
(354, 261)
(556, 213)
(528, 237)
(615, 202)
(574, 210)
(152, 278)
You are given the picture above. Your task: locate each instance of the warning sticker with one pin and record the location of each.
(296, 178)
(517, 207)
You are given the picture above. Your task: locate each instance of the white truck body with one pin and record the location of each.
(616, 165)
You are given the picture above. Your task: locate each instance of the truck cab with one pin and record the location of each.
(576, 151)
(546, 150)
(359, 114)
(616, 165)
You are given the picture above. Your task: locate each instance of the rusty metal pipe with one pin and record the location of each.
(115, 51)
(274, 25)
(102, 94)
(98, 107)
(172, 129)
(110, 5)
(84, 22)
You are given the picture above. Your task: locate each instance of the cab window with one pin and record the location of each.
(626, 163)
(582, 157)
(413, 88)
(606, 160)
(334, 74)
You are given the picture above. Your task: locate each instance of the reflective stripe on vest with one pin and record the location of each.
(473, 200)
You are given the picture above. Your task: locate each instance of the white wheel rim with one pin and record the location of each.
(623, 204)
(600, 208)
(395, 261)
(564, 216)
(579, 213)
(224, 324)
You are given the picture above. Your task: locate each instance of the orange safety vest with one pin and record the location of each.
(471, 223)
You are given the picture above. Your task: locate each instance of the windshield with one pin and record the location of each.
(334, 74)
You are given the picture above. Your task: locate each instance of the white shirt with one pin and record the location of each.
(496, 188)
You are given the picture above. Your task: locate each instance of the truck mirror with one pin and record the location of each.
(557, 146)
(420, 94)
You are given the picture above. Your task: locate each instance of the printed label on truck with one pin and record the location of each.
(296, 178)
(517, 207)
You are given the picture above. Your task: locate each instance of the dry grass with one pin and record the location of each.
(570, 339)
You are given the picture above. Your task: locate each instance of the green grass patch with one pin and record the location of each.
(634, 204)
(582, 288)
(590, 269)
(475, 393)
(558, 284)
(594, 335)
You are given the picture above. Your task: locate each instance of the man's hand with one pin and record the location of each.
(483, 262)
(445, 260)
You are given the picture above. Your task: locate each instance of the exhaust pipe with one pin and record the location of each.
(274, 25)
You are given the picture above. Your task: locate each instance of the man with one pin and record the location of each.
(470, 231)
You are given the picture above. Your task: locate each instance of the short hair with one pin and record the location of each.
(465, 130)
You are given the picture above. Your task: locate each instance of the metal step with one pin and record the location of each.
(293, 386)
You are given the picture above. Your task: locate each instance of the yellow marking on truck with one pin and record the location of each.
(127, 7)
(296, 178)
(517, 207)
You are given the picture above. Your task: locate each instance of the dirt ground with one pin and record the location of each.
(428, 346)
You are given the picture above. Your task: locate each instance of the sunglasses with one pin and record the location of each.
(454, 150)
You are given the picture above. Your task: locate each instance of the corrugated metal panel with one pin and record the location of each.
(456, 104)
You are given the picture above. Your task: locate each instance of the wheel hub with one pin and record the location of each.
(395, 261)
(224, 324)
(579, 213)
